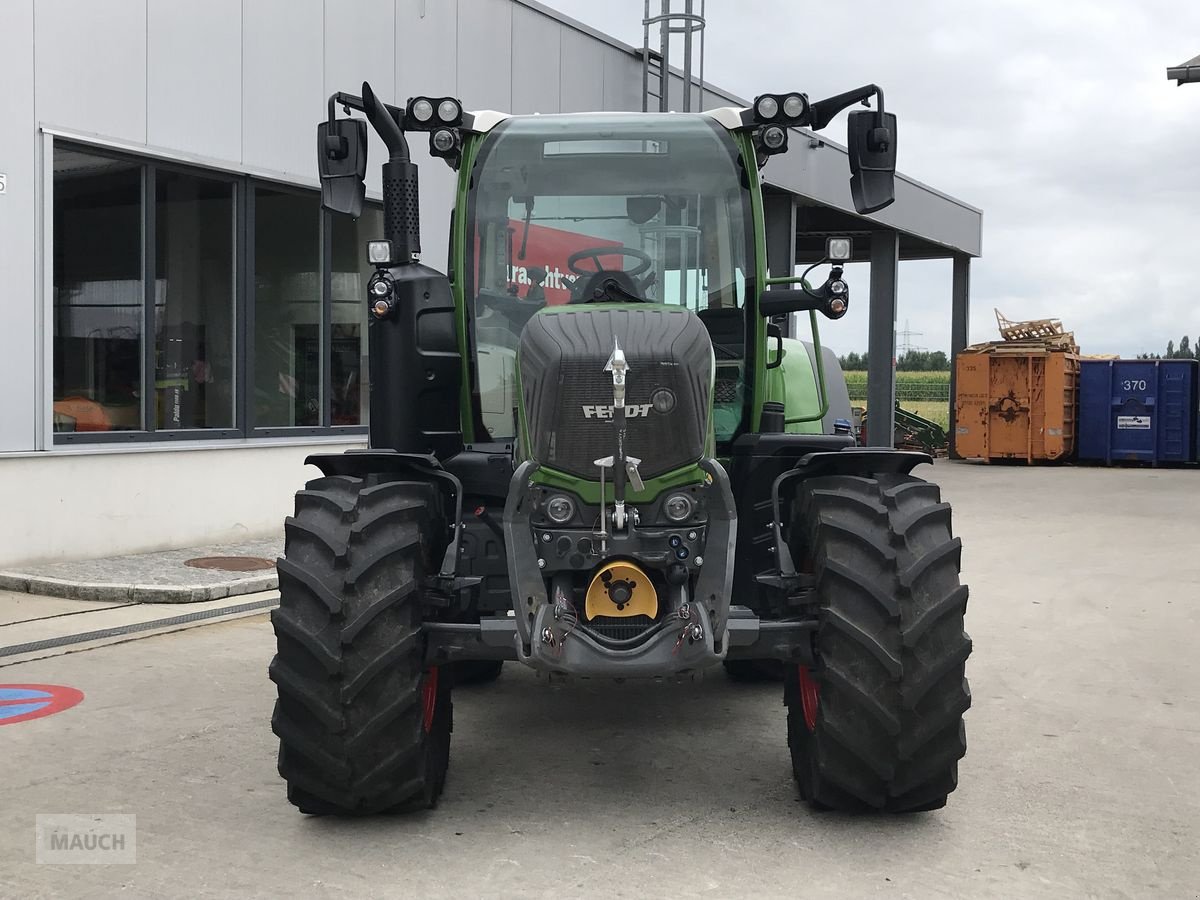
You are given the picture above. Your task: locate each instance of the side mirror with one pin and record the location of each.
(342, 161)
(872, 160)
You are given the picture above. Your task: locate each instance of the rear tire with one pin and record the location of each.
(364, 726)
(877, 723)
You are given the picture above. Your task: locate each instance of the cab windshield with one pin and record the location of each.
(609, 207)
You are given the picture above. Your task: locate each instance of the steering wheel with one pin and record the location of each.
(594, 254)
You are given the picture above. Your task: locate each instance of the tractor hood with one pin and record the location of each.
(568, 395)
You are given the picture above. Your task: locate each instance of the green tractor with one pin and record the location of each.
(594, 452)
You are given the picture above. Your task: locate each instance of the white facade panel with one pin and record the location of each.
(91, 66)
(485, 36)
(359, 47)
(283, 83)
(580, 72)
(536, 48)
(19, 300)
(194, 76)
(92, 505)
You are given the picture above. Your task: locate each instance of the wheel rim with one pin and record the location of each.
(810, 695)
(429, 698)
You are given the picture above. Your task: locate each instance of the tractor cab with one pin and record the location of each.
(606, 208)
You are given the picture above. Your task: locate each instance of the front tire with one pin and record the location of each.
(363, 725)
(876, 723)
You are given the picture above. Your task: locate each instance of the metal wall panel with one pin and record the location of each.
(485, 37)
(91, 66)
(823, 174)
(581, 72)
(19, 301)
(536, 60)
(359, 47)
(186, 110)
(427, 63)
(622, 81)
(282, 83)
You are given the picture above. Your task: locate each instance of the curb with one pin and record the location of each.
(135, 593)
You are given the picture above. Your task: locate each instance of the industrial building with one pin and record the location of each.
(180, 324)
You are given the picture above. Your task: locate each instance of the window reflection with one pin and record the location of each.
(98, 293)
(194, 302)
(351, 272)
(287, 308)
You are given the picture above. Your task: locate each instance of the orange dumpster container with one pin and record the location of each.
(1016, 403)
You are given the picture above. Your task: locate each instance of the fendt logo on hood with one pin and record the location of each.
(606, 412)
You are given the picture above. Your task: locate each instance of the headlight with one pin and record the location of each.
(560, 509)
(767, 108)
(837, 287)
(678, 507)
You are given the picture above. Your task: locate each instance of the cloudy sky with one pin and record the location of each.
(1055, 117)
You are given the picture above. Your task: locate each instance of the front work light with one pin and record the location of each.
(379, 253)
(837, 248)
(428, 113)
(789, 110)
(422, 109)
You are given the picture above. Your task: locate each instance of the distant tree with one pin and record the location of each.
(1170, 349)
(853, 362)
(1184, 351)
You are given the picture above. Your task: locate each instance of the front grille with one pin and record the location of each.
(620, 628)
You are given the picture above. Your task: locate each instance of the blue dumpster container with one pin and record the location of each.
(1139, 410)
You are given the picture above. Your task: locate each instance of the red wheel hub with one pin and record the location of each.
(810, 696)
(429, 691)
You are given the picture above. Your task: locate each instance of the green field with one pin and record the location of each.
(925, 393)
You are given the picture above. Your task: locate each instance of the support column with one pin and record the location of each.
(881, 340)
(960, 314)
(779, 213)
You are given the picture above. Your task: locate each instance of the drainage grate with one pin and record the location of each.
(231, 563)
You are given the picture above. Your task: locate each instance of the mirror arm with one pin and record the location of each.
(382, 116)
(822, 112)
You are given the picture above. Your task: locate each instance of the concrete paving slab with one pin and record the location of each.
(1080, 778)
(102, 625)
(159, 577)
(16, 606)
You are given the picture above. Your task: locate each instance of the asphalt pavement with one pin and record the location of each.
(1081, 777)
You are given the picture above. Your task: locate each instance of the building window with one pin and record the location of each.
(194, 302)
(348, 285)
(287, 308)
(190, 303)
(99, 293)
